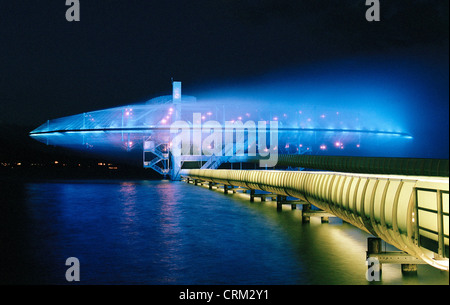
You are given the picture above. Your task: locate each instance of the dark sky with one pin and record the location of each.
(126, 51)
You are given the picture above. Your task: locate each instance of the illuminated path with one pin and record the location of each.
(408, 212)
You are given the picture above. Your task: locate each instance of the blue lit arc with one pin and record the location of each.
(349, 108)
(302, 129)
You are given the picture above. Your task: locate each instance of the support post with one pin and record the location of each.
(280, 200)
(407, 268)
(252, 195)
(306, 207)
(225, 188)
(279, 204)
(324, 219)
(374, 247)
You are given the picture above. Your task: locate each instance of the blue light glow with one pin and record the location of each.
(349, 108)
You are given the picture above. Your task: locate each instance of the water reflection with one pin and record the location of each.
(333, 253)
(159, 232)
(128, 199)
(169, 225)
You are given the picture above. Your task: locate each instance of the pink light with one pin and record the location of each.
(285, 115)
(323, 147)
(247, 114)
(240, 118)
(337, 144)
(322, 116)
(127, 113)
(309, 119)
(275, 119)
(170, 109)
(203, 117)
(163, 121)
(209, 113)
(301, 145)
(357, 145)
(300, 112)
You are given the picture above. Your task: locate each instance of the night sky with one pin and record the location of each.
(124, 52)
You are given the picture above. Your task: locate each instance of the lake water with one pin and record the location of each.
(161, 232)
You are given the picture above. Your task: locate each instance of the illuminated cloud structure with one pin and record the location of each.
(346, 109)
(142, 131)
